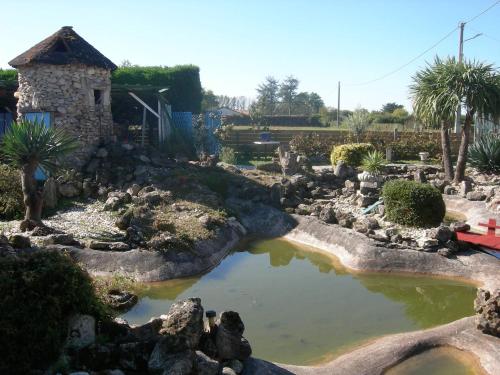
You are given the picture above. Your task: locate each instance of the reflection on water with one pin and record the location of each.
(299, 306)
(443, 361)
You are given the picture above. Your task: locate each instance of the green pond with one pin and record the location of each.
(300, 306)
(443, 361)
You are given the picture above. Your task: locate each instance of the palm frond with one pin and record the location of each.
(32, 142)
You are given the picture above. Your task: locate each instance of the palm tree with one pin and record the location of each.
(440, 88)
(27, 146)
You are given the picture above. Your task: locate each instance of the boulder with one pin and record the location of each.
(460, 227)
(57, 239)
(112, 204)
(487, 307)
(236, 365)
(134, 190)
(419, 176)
(162, 362)
(149, 331)
(81, 331)
(112, 246)
(19, 241)
(185, 321)
(229, 338)
(228, 371)
(50, 193)
(476, 196)
(327, 214)
(450, 190)
(206, 365)
(341, 170)
(123, 221)
(121, 300)
(101, 153)
(68, 190)
(443, 234)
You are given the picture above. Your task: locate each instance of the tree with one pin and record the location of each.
(27, 146)
(267, 98)
(391, 107)
(358, 121)
(315, 102)
(288, 92)
(209, 101)
(440, 88)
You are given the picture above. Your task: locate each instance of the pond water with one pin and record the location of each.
(300, 306)
(442, 361)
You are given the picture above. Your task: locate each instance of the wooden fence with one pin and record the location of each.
(244, 139)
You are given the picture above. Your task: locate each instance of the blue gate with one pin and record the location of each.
(212, 122)
(41, 118)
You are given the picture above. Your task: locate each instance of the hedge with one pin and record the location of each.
(8, 86)
(413, 203)
(183, 83)
(351, 153)
(278, 120)
(39, 292)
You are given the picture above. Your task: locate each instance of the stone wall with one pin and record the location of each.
(67, 91)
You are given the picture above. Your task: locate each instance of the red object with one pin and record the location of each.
(490, 239)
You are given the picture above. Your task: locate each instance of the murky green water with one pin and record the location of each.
(436, 362)
(300, 307)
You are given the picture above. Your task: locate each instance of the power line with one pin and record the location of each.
(427, 50)
(484, 11)
(484, 34)
(408, 63)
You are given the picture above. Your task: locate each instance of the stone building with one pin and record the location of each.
(67, 83)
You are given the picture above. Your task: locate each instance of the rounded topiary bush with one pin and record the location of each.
(413, 203)
(38, 293)
(11, 194)
(351, 153)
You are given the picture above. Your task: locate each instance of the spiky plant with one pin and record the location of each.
(373, 162)
(484, 154)
(27, 146)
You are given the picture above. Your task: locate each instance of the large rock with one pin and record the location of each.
(341, 170)
(229, 338)
(487, 306)
(19, 241)
(69, 190)
(206, 365)
(164, 363)
(50, 193)
(476, 196)
(81, 331)
(185, 321)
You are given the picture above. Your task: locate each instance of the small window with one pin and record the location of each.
(98, 96)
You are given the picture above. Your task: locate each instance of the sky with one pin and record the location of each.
(237, 43)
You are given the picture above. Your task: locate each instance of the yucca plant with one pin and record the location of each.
(373, 162)
(27, 146)
(484, 154)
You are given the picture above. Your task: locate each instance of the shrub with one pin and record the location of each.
(373, 162)
(413, 203)
(312, 145)
(227, 155)
(39, 292)
(484, 154)
(352, 153)
(11, 194)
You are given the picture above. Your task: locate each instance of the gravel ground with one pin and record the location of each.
(82, 220)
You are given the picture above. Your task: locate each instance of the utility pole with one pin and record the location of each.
(460, 58)
(338, 106)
